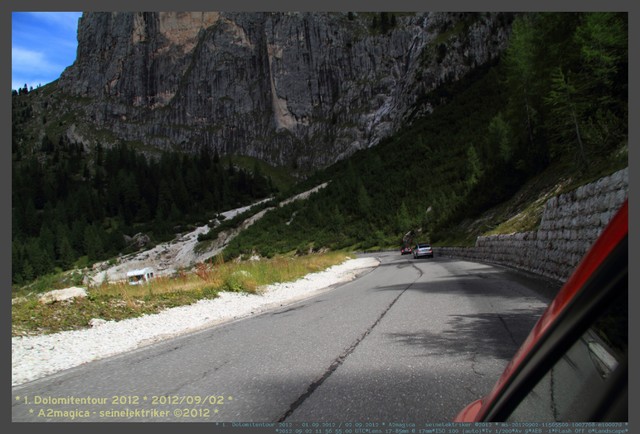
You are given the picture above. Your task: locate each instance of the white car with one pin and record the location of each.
(421, 250)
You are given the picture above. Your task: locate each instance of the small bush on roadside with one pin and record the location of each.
(240, 281)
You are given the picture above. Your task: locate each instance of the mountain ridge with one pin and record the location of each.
(293, 89)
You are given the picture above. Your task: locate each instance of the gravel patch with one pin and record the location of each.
(180, 253)
(35, 357)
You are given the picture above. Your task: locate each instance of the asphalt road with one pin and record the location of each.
(411, 341)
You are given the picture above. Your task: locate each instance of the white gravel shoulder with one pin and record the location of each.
(35, 357)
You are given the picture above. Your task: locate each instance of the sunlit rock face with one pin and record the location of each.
(303, 89)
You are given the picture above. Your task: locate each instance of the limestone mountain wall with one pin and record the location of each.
(305, 89)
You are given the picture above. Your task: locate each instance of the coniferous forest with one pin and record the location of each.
(71, 203)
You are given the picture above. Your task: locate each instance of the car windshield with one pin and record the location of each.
(423, 246)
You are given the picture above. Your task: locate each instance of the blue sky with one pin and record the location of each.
(43, 44)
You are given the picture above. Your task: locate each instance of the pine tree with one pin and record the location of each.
(164, 201)
(474, 167)
(30, 221)
(47, 242)
(28, 273)
(499, 140)
(93, 243)
(17, 261)
(77, 236)
(37, 258)
(66, 254)
(403, 219)
(521, 67)
(603, 76)
(566, 110)
(363, 200)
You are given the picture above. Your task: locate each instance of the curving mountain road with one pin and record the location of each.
(411, 341)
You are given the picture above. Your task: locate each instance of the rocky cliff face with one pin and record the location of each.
(301, 89)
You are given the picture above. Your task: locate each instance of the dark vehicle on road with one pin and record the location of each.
(421, 250)
(573, 365)
(405, 250)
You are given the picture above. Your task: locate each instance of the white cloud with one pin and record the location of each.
(33, 68)
(23, 60)
(43, 45)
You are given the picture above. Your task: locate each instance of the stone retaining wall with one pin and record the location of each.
(570, 224)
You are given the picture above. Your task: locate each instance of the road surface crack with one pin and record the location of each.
(504, 323)
(342, 357)
(474, 363)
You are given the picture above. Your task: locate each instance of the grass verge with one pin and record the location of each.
(118, 301)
